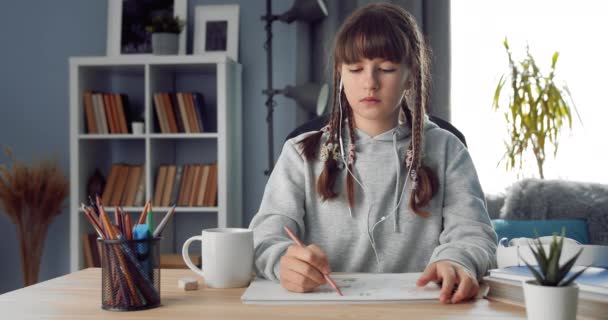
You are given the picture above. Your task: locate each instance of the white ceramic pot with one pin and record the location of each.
(556, 303)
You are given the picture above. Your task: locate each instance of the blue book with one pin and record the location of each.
(594, 279)
(199, 107)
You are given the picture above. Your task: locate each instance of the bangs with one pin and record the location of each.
(369, 36)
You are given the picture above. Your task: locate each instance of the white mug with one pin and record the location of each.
(227, 257)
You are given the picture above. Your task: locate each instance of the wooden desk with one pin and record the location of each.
(78, 296)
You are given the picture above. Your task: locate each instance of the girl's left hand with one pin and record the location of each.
(451, 275)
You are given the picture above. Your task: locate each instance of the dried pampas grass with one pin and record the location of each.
(32, 197)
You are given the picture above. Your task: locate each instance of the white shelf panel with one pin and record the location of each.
(184, 135)
(86, 136)
(139, 60)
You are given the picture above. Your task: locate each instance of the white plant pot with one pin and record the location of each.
(556, 303)
(165, 43)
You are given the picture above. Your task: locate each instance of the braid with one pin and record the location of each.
(424, 180)
(327, 178)
(350, 190)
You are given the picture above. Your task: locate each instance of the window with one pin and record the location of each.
(577, 29)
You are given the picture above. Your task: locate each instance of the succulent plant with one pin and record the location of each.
(549, 272)
(166, 23)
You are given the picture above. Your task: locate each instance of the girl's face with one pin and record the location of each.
(374, 89)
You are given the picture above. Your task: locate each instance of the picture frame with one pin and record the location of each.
(126, 34)
(216, 30)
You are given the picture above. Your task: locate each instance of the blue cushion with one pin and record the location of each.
(575, 228)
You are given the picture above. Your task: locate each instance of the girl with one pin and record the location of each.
(344, 189)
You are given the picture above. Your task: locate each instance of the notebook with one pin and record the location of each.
(356, 287)
(593, 279)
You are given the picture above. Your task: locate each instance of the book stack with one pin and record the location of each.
(506, 285)
(190, 185)
(125, 186)
(179, 112)
(106, 113)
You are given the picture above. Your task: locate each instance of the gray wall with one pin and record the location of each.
(39, 36)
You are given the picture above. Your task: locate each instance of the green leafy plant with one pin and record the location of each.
(536, 111)
(549, 272)
(166, 24)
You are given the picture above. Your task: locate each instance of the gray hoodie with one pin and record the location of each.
(458, 229)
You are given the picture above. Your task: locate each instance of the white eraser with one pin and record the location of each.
(187, 284)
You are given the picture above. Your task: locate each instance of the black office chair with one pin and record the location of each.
(318, 123)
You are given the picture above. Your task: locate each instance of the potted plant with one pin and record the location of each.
(551, 295)
(165, 32)
(536, 111)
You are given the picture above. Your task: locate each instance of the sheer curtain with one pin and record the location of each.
(577, 29)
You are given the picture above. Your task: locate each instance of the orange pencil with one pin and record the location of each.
(128, 231)
(142, 216)
(297, 241)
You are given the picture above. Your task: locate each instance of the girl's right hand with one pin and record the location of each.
(301, 268)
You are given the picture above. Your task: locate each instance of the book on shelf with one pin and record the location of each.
(200, 198)
(177, 113)
(90, 248)
(191, 113)
(111, 181)
(106, 113)
(89, 112)
(159, 186)
(180, 112)
(168, 187)
(124, 185)
(195, 185)
(119, 187)
(506, 285)
(199, 105)
(176, 185)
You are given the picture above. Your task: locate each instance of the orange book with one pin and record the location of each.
(170, 113)
(132, 184)
(160, 113)
(121, 183)
(122, 118)
(182, 111)
(107, 190)
(192, 112)
(109, 109)
(189, 183)
(198, 173)
(182, 186)
(168, 188)
(89, 112)
(160, 184)
(212, 192)
(200, 198)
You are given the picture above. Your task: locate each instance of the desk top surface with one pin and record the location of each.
(78, 296)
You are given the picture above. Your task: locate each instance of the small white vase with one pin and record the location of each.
(556, 303)
(164, 43)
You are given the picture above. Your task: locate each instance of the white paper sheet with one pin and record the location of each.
(356, 287)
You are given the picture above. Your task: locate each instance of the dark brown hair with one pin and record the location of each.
(388, 32)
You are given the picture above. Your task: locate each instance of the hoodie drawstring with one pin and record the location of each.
(398, 168)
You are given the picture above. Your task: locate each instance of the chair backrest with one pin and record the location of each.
(318, 123)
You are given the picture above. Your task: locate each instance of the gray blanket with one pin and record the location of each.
(560, 199)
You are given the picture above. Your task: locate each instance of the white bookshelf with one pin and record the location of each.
(139, 77)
